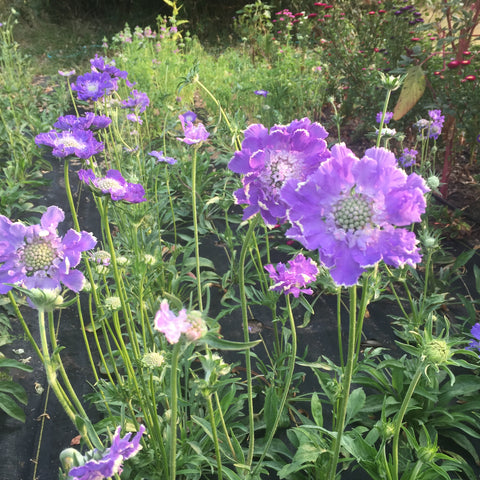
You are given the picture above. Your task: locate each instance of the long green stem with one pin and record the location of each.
(346, 382)
(195, 229)
(173, 411)
(215, 437)
(288, 382)
(246, 337)
(399, 418)
(382, 121)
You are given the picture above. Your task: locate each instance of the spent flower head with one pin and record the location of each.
(268, 159)
(351, 209)
(35, 256)
(294, 277)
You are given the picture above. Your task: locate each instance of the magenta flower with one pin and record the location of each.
(94, 85)
(293, 278)
(115, 185)
(89, 121)
(171, 325)
(269, 159)
(193, 133)
(162, 158)
(139, 101)
(349, 210)
(112, 460)
(78, 142)
(36, 257)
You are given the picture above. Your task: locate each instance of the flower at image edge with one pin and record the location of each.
(268, 159)
(350, 210)
(475, 343)
(111, 462)
(292, 278)
(36, 256)
(115, 185)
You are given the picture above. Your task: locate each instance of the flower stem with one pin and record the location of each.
(195, 229)
(173, 411)
(400, 415)
(215, 437)
(382, 122)
(346, 382)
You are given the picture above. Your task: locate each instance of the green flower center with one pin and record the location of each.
(108, 184)
(353, 212)
(71, 142)
(38, 255)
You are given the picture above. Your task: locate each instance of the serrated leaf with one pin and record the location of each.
(412, 90)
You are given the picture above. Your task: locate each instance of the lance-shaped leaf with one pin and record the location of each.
(412, 90)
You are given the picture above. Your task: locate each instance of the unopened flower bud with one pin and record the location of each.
(437, 352)
(149, 259)
(433, 182)
(113, 303)
(69, 458)
(198, 328)
(153, 359)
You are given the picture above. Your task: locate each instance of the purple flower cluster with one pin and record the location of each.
(192, 133)
(89, 121)
(268, 159)
(138, 102)
(115, 185)
(433, 127)
(111, 462)
(408, 157)
(162, 158)
(293, 278)
(386, 120)
(170, 324)
(36, 256)
(350, 208)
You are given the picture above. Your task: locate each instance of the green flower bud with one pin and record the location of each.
(437, 352)
(433, 182)
(69, 458)
(46, 299)
(113, 303)
(153, 359)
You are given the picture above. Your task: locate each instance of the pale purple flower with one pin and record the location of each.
(350, 210)
(36, 256)
(66, 74)
(134, 118)
(408, 157)
(111, 463)
(94, 85)
(78, 142)
(115, 185)
(139, 101)
(269, 159)
(475, 342)
(263, 93)
(89, 121)
(386, 120)
(193, 133)
(432, 127)
(294, 277)
(189, 116)
(171, 325)
(162, 158)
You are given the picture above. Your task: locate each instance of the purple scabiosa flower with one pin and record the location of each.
(134, 118)
(386, 120)
(162, 158)
(475, 342)
(112, 460)
(193, 133)
(171, 325)
(66, 74)
(432, 127)
(263, 93)
(89, 121)
(78, 142)
(189, 116)
(99, 64)
(36, 257)
(94, 85)
(115, 185)
(349, 210)
(295, 277)
(408, 157)
(268, 159)
(139, 101)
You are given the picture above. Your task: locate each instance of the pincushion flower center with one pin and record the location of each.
(281, 166)
(38, 255)
(71, 142)
(108, 184)
(92, 87)
(353, 212)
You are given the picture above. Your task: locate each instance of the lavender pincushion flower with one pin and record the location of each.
(138, 101)
(475, 342)
(100, 65)
(193, 133)
(162, 158)
(89, 121)
(432, 127)
(94, 85)
(115, 185)
(408, 157)
(351, 211)
(268, 159)
(78, 142)
(386, 120)
(36, 256)
(171, 325)
(293, 278)
(112, 460)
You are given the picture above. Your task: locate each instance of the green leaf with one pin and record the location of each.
(8, 405)
(317, 412)
(356, 401)
(13, 388)
(412, 90)
(11, 363)
(222, 344)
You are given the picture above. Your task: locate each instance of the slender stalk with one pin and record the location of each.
(288, 382)
(195, 229)
(224, 425)
(400, 415)
(380, 128)
(173, 411)
(346, 382)
(215, 437)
